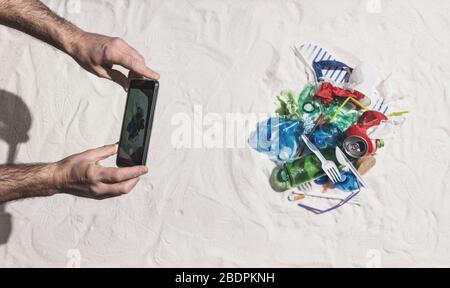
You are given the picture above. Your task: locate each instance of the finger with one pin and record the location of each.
(103, 152)
(133, 52)
(131, 62)
(134, 75)
(112, 175)
(97, 196)
(123, 46)
(127, 186)
(117, 188)
(136, 53)
(118, 77)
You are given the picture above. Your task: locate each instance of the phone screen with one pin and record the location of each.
(134, 137)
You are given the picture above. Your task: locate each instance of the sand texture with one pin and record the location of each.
(215, 207)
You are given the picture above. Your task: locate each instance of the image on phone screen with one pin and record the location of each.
(134, 139)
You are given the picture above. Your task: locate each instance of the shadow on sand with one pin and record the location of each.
(15, 122)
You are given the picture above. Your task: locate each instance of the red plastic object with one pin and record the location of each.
(327, 91)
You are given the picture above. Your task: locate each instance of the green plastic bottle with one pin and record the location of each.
(309, 108)
(300, 171)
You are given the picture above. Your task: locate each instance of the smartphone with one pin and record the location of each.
(137, 123)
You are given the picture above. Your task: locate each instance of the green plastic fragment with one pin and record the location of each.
(345, 118)
(303, 106)
(287, 105)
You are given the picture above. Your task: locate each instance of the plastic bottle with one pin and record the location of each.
(302, 170)
(309, 108)
(326, 136)
(303, 107)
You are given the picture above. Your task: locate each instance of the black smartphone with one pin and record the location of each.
(137, 123)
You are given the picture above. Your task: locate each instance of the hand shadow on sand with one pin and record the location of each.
(15, 121)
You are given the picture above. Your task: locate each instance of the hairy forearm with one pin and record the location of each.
(23, 181)
(36, 19)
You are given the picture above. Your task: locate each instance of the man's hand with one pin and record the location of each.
(98, 54)
(82, 175)
(95, 53)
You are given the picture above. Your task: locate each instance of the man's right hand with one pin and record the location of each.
(82, 175)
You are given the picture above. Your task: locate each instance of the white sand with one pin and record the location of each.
(214, 207)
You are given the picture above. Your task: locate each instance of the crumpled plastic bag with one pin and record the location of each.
(279, 138)
(288, 105)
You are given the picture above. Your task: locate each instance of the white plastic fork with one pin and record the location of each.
(305, 187)
(329, 167)
(303, 190)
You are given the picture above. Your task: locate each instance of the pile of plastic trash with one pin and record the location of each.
(329, 133)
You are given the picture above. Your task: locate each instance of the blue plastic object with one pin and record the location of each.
(349, 182)
(278, 137)
(326, 136)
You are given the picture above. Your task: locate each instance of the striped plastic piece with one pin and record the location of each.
(309, 53)
(380, 105)
(313, 53)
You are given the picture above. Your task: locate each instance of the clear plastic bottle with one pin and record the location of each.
(327, 135)
(309, 108)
